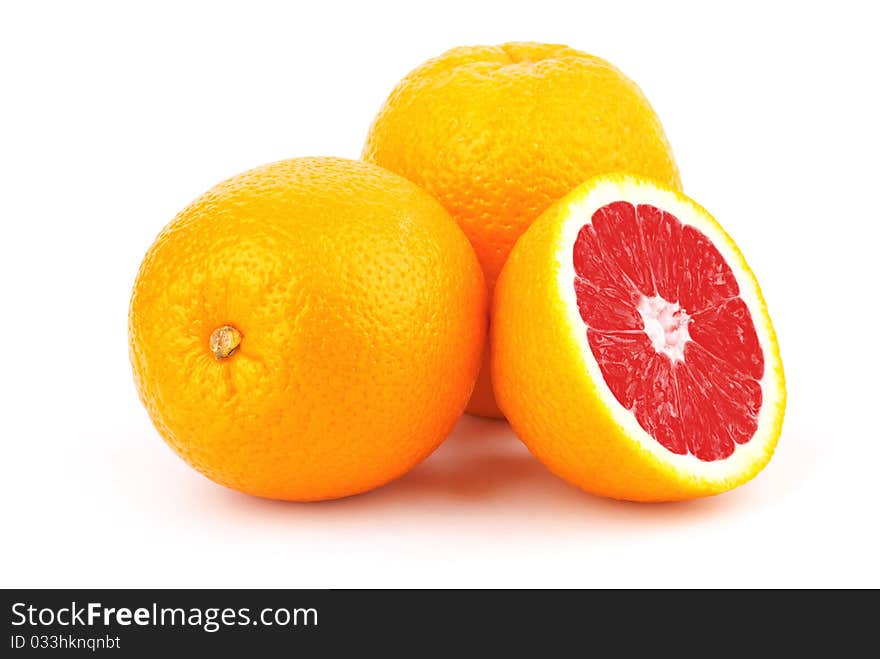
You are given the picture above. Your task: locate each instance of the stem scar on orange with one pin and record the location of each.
(498, 133)
(308, 330)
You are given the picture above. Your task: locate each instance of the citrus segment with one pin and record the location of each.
(688, 367)
(632, 349)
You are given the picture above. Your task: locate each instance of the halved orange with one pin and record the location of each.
(632, 349)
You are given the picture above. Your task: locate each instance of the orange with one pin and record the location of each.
(308, 330)
(498, 133)
(632, 349)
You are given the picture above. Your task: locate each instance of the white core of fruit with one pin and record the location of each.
(666, 324)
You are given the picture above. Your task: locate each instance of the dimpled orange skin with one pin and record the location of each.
(361, 310)
(498, 133)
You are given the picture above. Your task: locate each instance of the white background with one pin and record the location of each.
(113, 118)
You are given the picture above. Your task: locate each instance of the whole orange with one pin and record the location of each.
(308, 330)
(498, 133)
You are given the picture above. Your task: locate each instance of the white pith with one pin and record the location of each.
(666, 324)
(580, 210)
